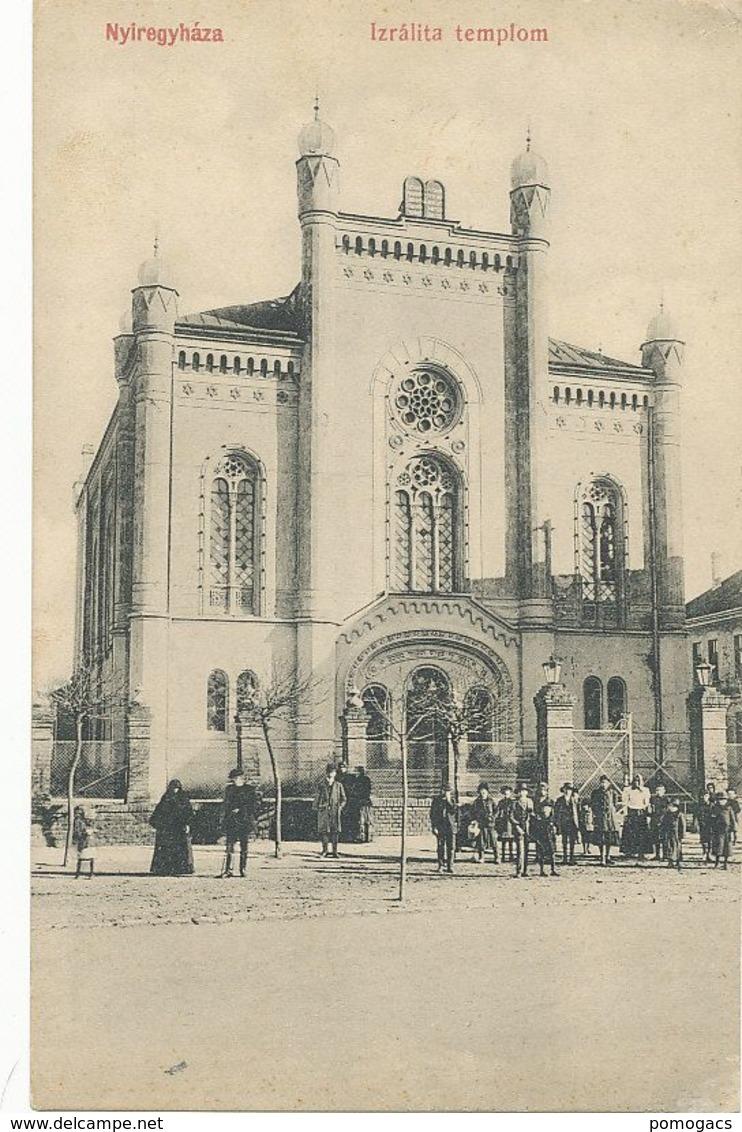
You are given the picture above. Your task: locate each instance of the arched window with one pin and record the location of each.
(209, 363)
(181, 360)
(247, 683)
(233, 535)
(427, 733)
(480, 731)
(601, 542)
(217, 701)
(223, 364)
(378, 704)
(196, 362)
(592, 693)
(427, 538)
(616, 699)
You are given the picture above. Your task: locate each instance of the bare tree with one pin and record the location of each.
(458, 716)
(281, 698)
(84, 697)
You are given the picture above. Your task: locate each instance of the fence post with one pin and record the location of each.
(139, 728)
(555, 732)
(709, 730)
(42, 747)
(354, 721)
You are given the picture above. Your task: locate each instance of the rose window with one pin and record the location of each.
(427, 401)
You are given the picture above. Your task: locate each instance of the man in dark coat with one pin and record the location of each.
(567, 822)
(603, 805)
(365, 805)
(329, 805)
(240, 804)
(444, 818)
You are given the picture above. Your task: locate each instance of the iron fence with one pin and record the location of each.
(101, 771)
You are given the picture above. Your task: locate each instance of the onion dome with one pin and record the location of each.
(662, 328)
(317, 138)
(529, 168)
(155, 271)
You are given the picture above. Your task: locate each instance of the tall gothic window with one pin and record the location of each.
(616, 693)
(601, 543)
(247, 682)
(592, 691)
(426, 507)
(427, 734)
(217, 694)
(480, 733)
(378, 704)
(233, 536)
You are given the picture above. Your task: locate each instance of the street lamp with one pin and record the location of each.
(552, 670)
(238, 732)
(703, 672)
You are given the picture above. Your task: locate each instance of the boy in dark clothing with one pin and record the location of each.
(657, 809)
(483, 812)
(444, 819)
(722, 827)
(543, 832)
(671, 833)
(504, 824)
(239, 815)
(567, 822)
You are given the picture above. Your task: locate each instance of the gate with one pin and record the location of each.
(595, 753)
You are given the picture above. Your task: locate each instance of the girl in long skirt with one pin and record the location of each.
(671, 832)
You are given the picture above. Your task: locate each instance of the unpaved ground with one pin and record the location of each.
(362, 880)
(306, 986)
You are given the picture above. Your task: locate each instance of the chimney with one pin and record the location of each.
(716, 569)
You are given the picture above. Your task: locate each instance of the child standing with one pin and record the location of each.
(543, 832)
(671, 831)
(83, 840)
(504, 824)
(722, 827)
(483, 812)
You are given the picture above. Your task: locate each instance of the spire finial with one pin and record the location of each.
(157, 239)
(528, 136)
(316, 107)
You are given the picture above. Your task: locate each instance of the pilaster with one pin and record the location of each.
(555, 731)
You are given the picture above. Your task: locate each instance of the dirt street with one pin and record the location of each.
(306, 986)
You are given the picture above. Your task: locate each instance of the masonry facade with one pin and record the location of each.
(392, 477)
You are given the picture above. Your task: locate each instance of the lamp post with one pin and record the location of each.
(238, 733)
(703, 673)
(552, 670)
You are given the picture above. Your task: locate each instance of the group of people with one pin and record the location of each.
(638, 821)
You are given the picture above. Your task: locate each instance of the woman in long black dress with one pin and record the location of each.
(172, 819)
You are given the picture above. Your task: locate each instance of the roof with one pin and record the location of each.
(284, 315)
(719, 599)
(563, 354)
(271, 314)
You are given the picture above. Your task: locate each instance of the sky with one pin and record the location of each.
(635, 106)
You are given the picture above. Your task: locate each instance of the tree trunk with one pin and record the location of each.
(403, 838)
(276, 783)
(71, 788)
(455, 750)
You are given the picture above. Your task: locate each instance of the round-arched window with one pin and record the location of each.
(427, 401)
